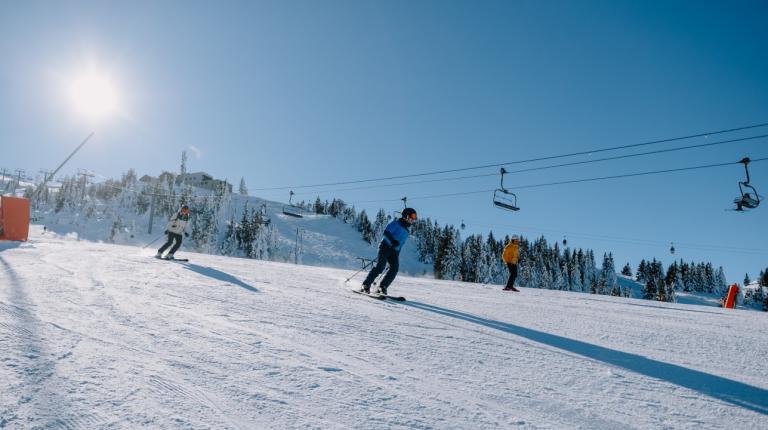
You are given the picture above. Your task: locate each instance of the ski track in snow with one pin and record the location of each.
(104, 336)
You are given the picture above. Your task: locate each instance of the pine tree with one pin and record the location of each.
(243, 189)
(379, 224)
(747, 280)
(229, 242)
(319, 207)
(627, 271)
(448, 259)
(364, 226)
(608, 279)
(641, 272)
(183, 169)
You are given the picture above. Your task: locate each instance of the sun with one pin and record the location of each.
(93, 95)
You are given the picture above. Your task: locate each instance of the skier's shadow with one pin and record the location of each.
(727, 390)
(219, 275)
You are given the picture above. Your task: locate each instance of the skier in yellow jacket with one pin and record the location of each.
(510, 256)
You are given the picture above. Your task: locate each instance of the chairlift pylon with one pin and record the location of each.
(291, 209)
(746, 200)
(399, 214)
(503, 198)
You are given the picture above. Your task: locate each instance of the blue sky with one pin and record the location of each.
(290, 93)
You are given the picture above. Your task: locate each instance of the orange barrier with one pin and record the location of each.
(14, 218)
(730, 298)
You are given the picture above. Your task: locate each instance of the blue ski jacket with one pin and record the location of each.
(396, 234)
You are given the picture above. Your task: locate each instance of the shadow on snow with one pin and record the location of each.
(219, 275)
(734, 392)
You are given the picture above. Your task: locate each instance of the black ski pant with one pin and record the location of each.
(512, 274)
(386, 255)
(171, 238)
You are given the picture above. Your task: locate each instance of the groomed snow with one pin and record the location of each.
(99, 336)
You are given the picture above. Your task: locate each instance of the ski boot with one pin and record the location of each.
(159, 255)
(382, 290)
(169, 257)
(366, 289)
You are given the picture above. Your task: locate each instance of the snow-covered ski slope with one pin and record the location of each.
(100, 336)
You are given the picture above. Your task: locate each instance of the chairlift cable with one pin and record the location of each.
(628, 175)
(552, 157)
(532, 169)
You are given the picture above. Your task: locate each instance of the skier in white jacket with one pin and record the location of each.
(176, 226)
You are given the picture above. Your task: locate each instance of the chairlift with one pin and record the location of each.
(503, 198)
(291, 209)
(463, 226)
(746, 200)
(565, 241)
(671, 247)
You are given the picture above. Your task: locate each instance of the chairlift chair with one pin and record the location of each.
(565, 241)
(503, 198)
(291, 209)
(671, 248)
(749, 200)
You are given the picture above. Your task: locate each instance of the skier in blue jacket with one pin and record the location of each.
(394, 238)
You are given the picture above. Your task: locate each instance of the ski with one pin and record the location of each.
(373, 296)
(174, 259)
(396, 298)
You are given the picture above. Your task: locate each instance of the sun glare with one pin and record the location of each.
(93, 95)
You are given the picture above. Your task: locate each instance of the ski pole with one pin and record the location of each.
(150, 243)
(364, 267)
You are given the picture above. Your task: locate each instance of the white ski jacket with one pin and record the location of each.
(178, 223)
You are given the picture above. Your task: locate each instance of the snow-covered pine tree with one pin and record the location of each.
(244, 233)
(183, 168)
(574, 272)
(243, 190)
(379, 224)
(364, 226)
(319, 207)
(448, 259)
(608, 274)
(229, 242)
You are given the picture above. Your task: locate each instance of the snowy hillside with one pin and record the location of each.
(99, 336)
(322, 240)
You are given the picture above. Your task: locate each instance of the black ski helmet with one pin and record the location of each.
(184, 208)
(409, 213)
